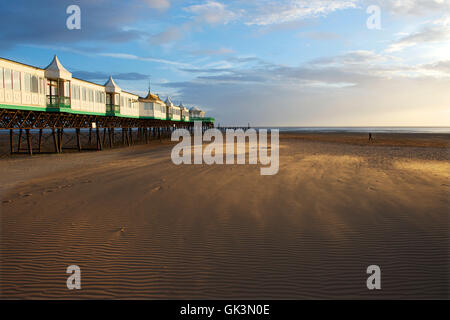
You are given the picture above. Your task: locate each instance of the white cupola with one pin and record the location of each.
(111, 86)
(55, 70)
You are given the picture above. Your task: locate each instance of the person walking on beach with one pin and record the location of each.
(370, 136)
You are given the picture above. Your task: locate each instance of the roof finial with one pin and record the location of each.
(149, 86)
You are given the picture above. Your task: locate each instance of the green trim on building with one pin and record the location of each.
(69, 110)
(209, 119)
(8, 106)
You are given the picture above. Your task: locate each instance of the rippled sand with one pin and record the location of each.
(140, 227)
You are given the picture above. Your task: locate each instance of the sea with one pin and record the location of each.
(363, 129)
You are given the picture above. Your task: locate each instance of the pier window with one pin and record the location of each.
(66, 88)
(34, 84)
(99, 97)
(41, 86)
(8, 79)
(91, 95)
(16, 80)
(1, 78)
(27, 82)
(76, 92)
(83, 94)
(53, 87)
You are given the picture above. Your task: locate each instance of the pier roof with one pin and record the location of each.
(151, 98)
(55, 70)
(111, 86)
(169, 102)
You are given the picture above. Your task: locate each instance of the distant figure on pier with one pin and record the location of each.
(370, 136)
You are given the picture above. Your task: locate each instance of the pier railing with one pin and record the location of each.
(112, 109)
(58, 101)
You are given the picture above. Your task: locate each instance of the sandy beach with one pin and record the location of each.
(141, 227)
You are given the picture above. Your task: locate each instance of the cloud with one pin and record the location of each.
(354, 88)
(213, 52)
(134, 57)
(206, 70)
(434, 32)
(440, 66)
(28, 22)
(397, 101)
(171, 34)
(279, 12)
(212, 12)
(158, 4)
(351, 58)
(90, 75)
(414, 7)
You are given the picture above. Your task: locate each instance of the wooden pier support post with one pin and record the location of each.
(58, 135)
(11, 140)
(40, 141)
(131, 135)
(110, 137)
(90, 135)
(99, 140)
(60, 139)
(30, 148)
(104, 136)
(54, 140)
(78, 139)
(20, 140)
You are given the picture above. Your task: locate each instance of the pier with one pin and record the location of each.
(29, 129)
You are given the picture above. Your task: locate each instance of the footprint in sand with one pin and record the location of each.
(6, 201)
(157, 188)
(64, 186)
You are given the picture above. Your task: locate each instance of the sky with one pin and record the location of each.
(263, 62)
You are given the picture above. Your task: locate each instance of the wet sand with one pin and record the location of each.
(141, 227)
